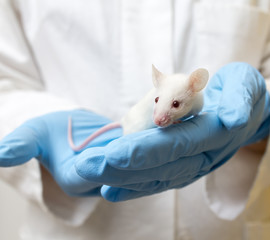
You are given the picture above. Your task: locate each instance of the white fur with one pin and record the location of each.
(177, 87)
(144, 115)
(140, 115)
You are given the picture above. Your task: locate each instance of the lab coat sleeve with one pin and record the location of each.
(236, 185)
(23, 96)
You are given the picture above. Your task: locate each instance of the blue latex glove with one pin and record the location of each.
(45, 138)
(236, 112)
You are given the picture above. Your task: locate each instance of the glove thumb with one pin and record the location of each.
(18, 147)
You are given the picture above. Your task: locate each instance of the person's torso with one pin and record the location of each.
(99, 54)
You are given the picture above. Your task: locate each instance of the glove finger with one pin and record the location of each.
(19, 147)
(263, 130)
(156, 185)
(74, 185)
(176, 178)
(262, 133)
(93, 167)
(240, 87)
(117, 194)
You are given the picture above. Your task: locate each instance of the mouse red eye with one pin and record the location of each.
(156, 99)
(175, 104)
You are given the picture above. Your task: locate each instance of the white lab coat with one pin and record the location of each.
(97, 54)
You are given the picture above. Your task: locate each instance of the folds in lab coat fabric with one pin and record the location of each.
(62, 54)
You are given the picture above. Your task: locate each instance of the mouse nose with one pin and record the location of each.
(162, 121)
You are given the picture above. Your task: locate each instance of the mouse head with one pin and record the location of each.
(176, 94)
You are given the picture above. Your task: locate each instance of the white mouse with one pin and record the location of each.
(173, 97)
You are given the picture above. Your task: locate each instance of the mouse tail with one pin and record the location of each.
(89, 139)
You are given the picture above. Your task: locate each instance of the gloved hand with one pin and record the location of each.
(45, 138)
(236, 113)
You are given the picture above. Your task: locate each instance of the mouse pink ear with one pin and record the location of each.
(157, 76)
(198, 79)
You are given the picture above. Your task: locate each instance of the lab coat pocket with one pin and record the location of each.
(226, 33)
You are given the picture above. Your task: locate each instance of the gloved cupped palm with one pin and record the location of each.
(236, 113)
(45, 138)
